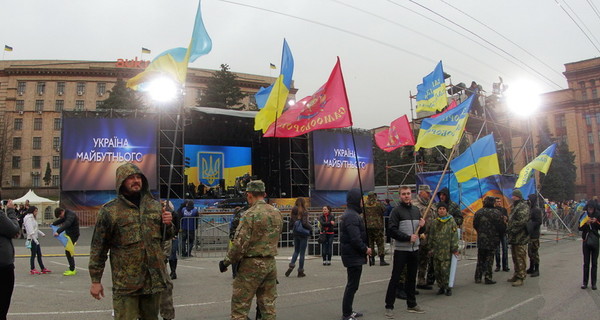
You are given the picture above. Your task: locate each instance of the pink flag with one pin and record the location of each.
(398, 135)
(326, 109)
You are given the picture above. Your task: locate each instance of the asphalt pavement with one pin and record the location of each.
(201, 292)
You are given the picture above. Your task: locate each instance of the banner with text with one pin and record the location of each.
(92, 149)
(335, 161)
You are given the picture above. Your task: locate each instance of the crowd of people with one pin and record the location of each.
(140, 232)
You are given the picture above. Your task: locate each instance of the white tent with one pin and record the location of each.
(45, 206)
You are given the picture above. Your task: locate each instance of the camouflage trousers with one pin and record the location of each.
(376, 237)
(519, 256)
(533, 248)
(255, 276)
(132, 307)
(167, 310)
(441, 268)
(425, 271)
(485, 261)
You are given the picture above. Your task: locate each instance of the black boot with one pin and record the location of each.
(371, 260)
(536, 270)
(173, 266)
(531, 267)
(382, 261)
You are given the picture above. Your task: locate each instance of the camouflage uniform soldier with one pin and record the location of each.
(453, 208)
(374, 219)
(489, 224)
(131, 228)
(534, 224)
(517, 237)
(254, 247)
(443, 242)
(425, 260)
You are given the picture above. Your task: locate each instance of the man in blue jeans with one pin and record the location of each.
(189, 223)
(503, 240)
(404, 226)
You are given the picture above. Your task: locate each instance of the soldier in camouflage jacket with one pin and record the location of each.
(517, 236)
(131, 227)
(443, 242)
(425, 273)
(489, 224)
(374, 220)
(453, 208)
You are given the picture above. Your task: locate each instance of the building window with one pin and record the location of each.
(39, 105)
(16, 162)
(18, 124)
(20, 105)
(35, 180)
(588, 119)
(594, 93)
(99, 104)
(561, 121)
(21, 87)
(101, 88)
(55, 180)
(592, 156)
(36, 162)
(79, 105)
(16, 143)
(60, 88)
(55, 162)
(37, 143)
(57, 124)
(37, 124)
(59, 106)
(80, 88)
(56, 143)
(41, 88)
(15, 181)
(199, 94)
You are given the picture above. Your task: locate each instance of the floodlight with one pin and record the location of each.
(163, 89)
(523, 98)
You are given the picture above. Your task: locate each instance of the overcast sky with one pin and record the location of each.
(385, 46)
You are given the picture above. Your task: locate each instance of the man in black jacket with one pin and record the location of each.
(353, 240)
(533, 228)
(9, 229)
(404, 226)
(69, 222)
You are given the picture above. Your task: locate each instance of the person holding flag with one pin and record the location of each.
(69, 223)
(589, 224)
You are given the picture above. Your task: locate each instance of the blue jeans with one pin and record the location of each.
(174, 249)
(36, 250)
(326, 247)
(300, 244)
(504, 248)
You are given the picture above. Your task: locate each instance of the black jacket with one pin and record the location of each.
(353, 234)
(70, 224)
(535, 218)
(9, 228)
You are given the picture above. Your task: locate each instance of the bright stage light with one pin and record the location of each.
(291, 102)
(523, 98)
(163, 90)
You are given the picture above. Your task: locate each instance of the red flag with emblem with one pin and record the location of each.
(327, 108)
(398, 135)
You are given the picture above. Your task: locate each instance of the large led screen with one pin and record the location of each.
(92, 149)
(335, 161)
(209, 164)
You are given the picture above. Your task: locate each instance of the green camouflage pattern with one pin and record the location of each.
(257, 234)
(376, 238)
(374, 214)
(533, 251)
(454, 211)
(128, 307)
(167, 309)
(485, 261)
(519, 256)
(517, 224)
(489, 224)
(421, 203)
(443, 241)
(255, 275)
(133, 236)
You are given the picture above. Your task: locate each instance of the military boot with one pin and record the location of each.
(301, 273)
(173, 266)
(536, 270)
(382, 261)
(517, 283)
(531, 267)
(513, 279)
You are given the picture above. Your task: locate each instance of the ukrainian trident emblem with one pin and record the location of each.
(211, 167)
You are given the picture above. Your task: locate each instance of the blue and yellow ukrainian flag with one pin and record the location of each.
(65, 240)
(8, 48)
(446, 129)
(145, 50)
(271, 100)
(272, 66)
(583, 219)
(480, 160)
(431, 94)
(541, 163)
(173, 63)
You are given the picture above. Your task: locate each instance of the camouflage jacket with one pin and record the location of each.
(421, 204)
(133, 235)
(443, 238)
(454, 211)
(490, 226)
(257, 234)
(374, 215)
(517, 224)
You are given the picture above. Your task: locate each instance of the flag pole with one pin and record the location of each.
(440, 181)
(362, 198)
(476, 171)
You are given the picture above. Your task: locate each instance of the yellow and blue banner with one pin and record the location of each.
(541, 163)
(583, 219)
(444, 130)
(272, 66)
(146, 50)
(209, 164)
(480, 160)
(431, 94)
(173, 63)
(272, 100)
(65, 240)
(8, 48)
